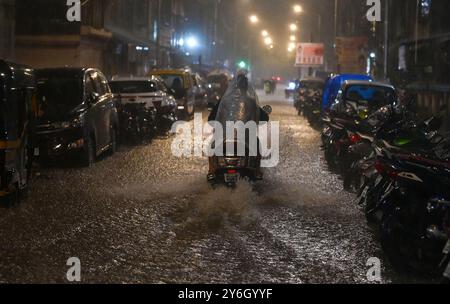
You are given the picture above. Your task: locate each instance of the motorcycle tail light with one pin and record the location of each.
(355, 138)
(232, 171)
(385, 170)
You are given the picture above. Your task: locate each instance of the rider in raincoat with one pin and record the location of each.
(240, 103)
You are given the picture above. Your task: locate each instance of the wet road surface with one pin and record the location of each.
(145, 216)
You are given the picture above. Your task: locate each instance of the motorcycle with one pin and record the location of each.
(139, 123)
(412, 229)
(311, 108)
(231, 167)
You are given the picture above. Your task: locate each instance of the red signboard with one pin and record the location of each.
(309, 54)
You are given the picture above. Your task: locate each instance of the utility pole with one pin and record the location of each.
(216, 29)
(386, 39)
(336, 32)
(416, 34)
(158, 37)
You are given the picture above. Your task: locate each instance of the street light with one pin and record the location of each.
(268, 41)
(254, 19)
(298, 9)
(293, 38)
(291, 45)
(293, 27)
(265, 33)
(192, 42)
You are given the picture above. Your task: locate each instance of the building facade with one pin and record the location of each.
(120, 37)
(7, 29)
(419, 52)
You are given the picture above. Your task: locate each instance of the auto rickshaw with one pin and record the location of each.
(17, 112)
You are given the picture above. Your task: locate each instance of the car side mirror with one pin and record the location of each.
(267, 109)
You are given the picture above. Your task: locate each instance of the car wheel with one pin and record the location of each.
(89, 153)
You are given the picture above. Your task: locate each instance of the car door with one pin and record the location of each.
(108, 108)
(99, 111)
(91, 97)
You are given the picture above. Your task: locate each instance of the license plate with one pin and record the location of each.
(231, 178)
(36, 152)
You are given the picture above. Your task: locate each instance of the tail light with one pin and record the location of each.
(385, 170)
(232, 171)
(355, 138)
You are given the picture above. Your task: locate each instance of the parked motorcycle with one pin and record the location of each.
(139, 123)
(413, 211)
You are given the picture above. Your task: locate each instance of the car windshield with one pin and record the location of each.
(374, 96)
(132, 87)
(173, 81)
(60, 90)
(312, 85)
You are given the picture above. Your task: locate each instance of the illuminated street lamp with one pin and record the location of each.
(291, 45)
(293, 27)
(254, 19)
(265, 33)
(293, 38)
(298, 9)
(268, 41)
(192, 42)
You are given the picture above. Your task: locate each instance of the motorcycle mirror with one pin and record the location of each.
(267, 109)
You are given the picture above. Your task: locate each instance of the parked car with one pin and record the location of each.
(79, 114)
(145, 103)
(334, 84)
(18, 111)
(183, 88)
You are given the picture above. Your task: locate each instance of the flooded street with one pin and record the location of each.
(145, 216)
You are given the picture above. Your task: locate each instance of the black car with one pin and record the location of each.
(17, 113)
(78, 114)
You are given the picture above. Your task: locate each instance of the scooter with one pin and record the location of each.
(235, 165)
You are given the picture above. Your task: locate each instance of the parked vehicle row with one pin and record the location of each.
(308, 94)
(400, 168)
(75, 113)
